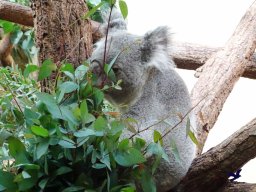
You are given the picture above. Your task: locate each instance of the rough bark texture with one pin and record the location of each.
(239, 187)
(221, 72)
(61, 33)
(210, 170)
(192, 56)
(16, 13)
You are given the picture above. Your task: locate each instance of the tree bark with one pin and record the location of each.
(221, 72)
(239, 187)
(61, 33)
(210, 170)
(192, 56)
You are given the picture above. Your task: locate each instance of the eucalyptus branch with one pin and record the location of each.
(106, 37)
(163, 119)
(14, 96)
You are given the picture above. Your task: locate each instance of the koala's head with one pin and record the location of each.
(137, 56)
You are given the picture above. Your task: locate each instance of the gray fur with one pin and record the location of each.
(151, 89)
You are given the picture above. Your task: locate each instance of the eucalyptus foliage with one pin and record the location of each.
(69, 139)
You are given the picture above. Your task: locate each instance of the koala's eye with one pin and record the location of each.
(115, 69)
(96, 67)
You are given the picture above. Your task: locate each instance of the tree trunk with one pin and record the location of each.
(61, 33)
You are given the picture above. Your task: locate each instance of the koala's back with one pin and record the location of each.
(165, 95)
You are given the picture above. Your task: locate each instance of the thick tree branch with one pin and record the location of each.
(210, 170)
(221, 72)
(237, 187)
(192, 56)
(16, 13)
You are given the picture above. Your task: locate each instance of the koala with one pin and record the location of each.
(151, 90)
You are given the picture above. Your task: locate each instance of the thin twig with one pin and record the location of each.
(160, 121)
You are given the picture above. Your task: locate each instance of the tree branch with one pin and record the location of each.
(210, 170)
(237, 186)
(192, 56)
(16, 13)
(221, 72)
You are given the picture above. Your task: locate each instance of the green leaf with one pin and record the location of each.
(175, 151)
(85, 133)
(124, 8)
(30, 69)
(124, 145)
(139, 143)
(116, 126)
(109, 66)
(17, 150)
(106, 160)
(129, 158)
(7, 181)
(99, 166)
(100, 124)
(42, 148)
(31, 116)
(16, 36)
(73, 189)
(156, 164)
(2, 188)
(40, 131)
(25, 175)
(128, 189)
(68, 115)
(68, 87)
(70, 75)
(28, 183)
(67, 143)
(88, 118)
(157, 149)
(28, 166)
(63, 170)
(93, 10)
(80, 72)
(46, 69)
(51, 104)
(147, 182)
(193, 137)
(67, 67)
(158, 137)
(43, 183)
(98, 96)
(8, 27)
(84, 111)
(4, 135)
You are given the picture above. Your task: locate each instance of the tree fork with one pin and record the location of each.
(221, 72)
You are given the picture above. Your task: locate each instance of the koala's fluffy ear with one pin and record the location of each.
(155, 42)
(117, 21)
